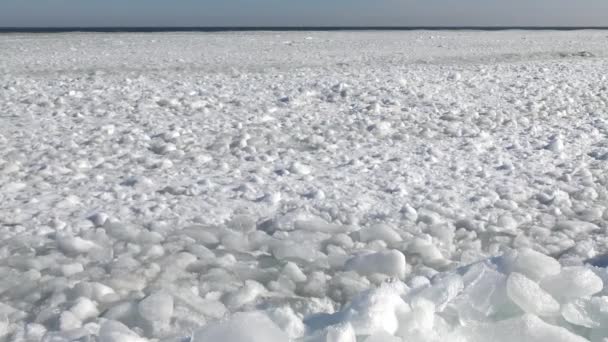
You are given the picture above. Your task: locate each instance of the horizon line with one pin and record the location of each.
(109, 29)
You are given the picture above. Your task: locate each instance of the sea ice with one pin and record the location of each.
(526, 328)
(156, 310)
(391, 263)
(374, 186)
(530, 297)
(242, 327)
(112, 331)
(374, 311)
(573, 282)
(535, 265)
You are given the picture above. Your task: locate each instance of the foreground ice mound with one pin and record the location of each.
(520, 296)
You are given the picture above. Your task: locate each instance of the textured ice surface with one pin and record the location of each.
(391, 263)
(304, 186)
(573, 282)
(242, 327)
(527, 328)
(530, 297)
(535, 265)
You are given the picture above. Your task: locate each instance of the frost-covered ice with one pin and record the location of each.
(309, 186)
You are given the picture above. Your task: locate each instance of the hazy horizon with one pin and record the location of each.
(206, 13)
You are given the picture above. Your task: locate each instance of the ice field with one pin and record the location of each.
(304, 186)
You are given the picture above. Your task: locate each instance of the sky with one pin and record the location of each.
(63, 13)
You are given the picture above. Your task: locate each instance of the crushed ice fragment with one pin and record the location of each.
(573, 282)
(113, 331)
(391, 263)
(242, 327)
(535, 265)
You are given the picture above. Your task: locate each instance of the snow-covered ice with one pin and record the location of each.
(304, 186)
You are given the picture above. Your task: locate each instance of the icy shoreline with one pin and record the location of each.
(153, 186)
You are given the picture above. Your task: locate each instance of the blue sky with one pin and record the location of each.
(303, 12)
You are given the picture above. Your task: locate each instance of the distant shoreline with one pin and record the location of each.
(290, 28)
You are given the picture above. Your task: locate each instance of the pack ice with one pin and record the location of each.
(304, 186)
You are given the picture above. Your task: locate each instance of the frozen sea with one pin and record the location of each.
(371, 186)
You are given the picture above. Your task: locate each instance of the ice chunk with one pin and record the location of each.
(417, 325)
(156, 310)
(34, 332)
(484, 294)
(210, 307)
(244, 295)
(535, 265)
(288, 321)
(380, 128)
(426, 249)
(69, 321)
(429, 217)
(573, 282)
(75, 245)
(121, 231)
(235, 241)
(345, 285)
(530, 297)
(556, 144)
(419, 282)
(4, 328)
(98, 219)
(391, 263)
(78, 334)
(380, 232)
(84, 309)
(586, 312)
(100, 291)
(342, 332)
(299, 168)
(208, 238)
(292, 251)
(442, 291)
(112, 331)
(382, 337)
(315, 286)
(125, 312)
(71, 269)
(375, 310)
(242, 327)
(577, 227)
(409, 213)
(341, 240)
(293, 272)
(242, 223)
(315, 224)
(507, 222)
(526, 328)
(163, 148)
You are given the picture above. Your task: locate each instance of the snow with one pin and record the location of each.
(344, 187)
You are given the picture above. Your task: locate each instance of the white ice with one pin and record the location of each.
(304, 186)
